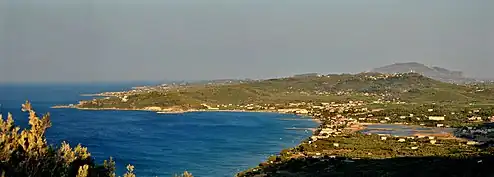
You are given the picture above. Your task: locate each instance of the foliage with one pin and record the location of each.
(368, 155)
(185, 174)
(26, 153)
(390, 167)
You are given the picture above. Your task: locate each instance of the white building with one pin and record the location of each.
(471, 143)
(437, 118)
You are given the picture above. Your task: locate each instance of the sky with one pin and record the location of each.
(130, 40)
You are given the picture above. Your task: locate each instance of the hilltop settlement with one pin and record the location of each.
(371, 124)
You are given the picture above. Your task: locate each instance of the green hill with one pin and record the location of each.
(410, 87)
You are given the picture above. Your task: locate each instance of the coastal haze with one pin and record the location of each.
(246, 88)
(86, 41)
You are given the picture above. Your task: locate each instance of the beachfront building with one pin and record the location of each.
(436, 118)
(475, 118)
(472, 143)
(327, 131)
(296, 111)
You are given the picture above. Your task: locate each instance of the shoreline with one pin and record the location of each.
(171, 110)
(160, 111)
(178, 111)
(319, 122)
(307, 116)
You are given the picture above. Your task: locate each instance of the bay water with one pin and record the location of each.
(209, 144)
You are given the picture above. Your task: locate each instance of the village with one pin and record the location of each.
(362, 116)
(341, 119)
(342, 137)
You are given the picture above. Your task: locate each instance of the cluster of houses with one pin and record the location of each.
(379, 76)
(296, 108)
(437, 118)
(334, 123)
(137, 90)
(327, 132)
(410, 139)
(84, 102)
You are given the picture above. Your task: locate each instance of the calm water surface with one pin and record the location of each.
(211, 144)
(404, 130)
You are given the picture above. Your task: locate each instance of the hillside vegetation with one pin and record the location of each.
(410, 87)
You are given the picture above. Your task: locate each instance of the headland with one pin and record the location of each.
(344, 104)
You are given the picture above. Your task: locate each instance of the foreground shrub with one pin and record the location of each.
(26, 153)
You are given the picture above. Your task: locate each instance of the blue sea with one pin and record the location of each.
(207, 144)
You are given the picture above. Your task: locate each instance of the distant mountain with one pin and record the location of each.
(436, 73)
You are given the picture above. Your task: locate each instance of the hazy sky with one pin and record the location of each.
(117, 40)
